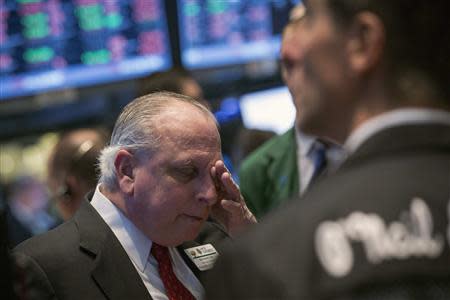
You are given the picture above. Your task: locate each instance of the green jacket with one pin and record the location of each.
(269, 176)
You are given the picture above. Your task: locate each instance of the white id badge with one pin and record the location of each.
(203, 256)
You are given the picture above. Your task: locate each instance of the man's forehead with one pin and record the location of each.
(198, 141)
(187, 133)
(184, 125)
(182, 112)
(192, 150)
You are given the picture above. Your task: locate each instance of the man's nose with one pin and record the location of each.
(207, 191)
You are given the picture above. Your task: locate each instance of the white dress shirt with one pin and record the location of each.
(138, 246)
(397, 117)
(305, 160)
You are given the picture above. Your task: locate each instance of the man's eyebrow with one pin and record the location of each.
(177, 168)
(184, 163)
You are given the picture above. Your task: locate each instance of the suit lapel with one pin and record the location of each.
(112, 270)
(283, 168)
(116, 275)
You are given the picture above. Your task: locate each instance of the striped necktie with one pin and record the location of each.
(319, 158)
(174, 288)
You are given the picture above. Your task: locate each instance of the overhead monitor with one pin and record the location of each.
(55, 44)
(270, 109)
(216, 33)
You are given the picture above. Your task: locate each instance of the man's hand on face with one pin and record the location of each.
(230, 209)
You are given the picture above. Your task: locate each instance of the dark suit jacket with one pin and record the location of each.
(320, 248)
(82, 259)
(269, 176)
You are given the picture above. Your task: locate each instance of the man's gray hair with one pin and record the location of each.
(136, 130)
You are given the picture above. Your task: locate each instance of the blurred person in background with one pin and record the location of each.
(27, 209)
(246, 142)
(145, 234)
(375, 76)
(285, 166)
(176, 80)
(72, 168)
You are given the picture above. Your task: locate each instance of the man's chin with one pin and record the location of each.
(194, 231)
(305, 123)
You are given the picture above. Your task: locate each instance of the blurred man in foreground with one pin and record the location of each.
(374, 75)
(285, 166)
(145, 233)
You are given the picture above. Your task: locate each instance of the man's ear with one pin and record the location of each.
(366, 43)
(72, 186)
(124, 165)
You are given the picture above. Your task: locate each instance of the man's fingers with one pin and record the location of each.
(231, 206)
(224, 182)
(230, 187)
(220, 168)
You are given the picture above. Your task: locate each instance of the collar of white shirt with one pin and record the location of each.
(304, 142)
(305, 163)
(406, 116)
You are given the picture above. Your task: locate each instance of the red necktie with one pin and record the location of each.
(174, 288)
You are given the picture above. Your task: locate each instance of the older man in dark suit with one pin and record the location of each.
(375, 75)
(144, 234)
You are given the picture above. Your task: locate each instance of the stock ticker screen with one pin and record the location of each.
(54, 44)
(216, 33)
